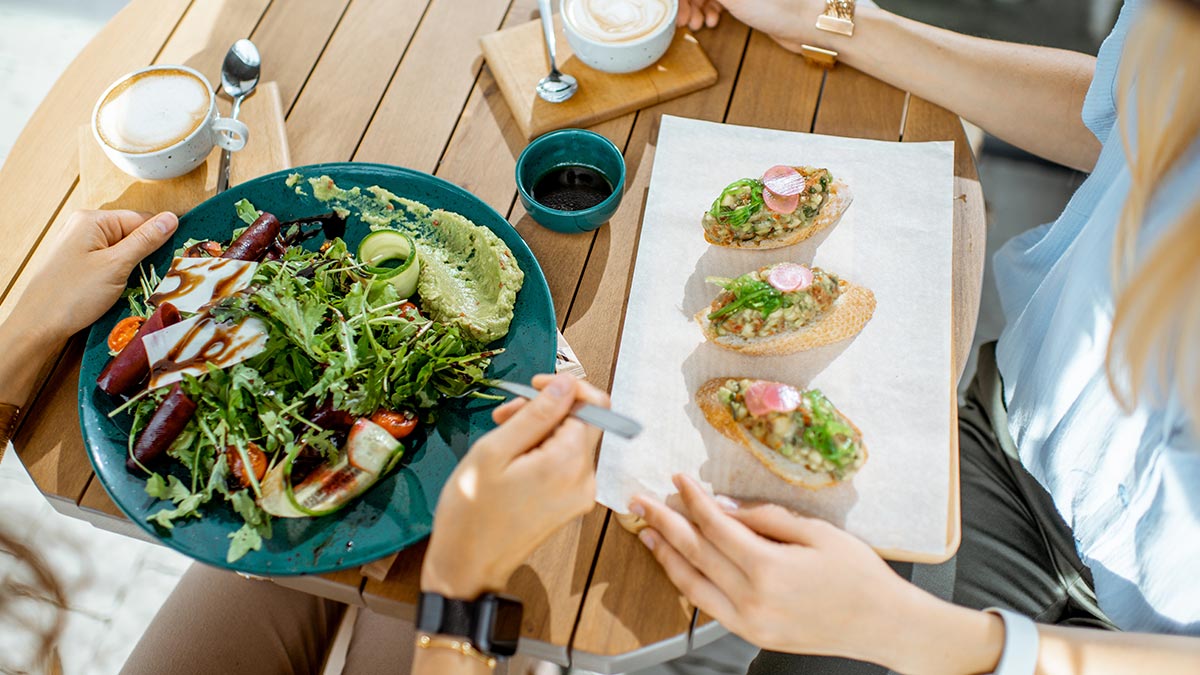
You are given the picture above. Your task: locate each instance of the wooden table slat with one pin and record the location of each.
(335, 106)
(206, 31)
(424, 101)
(43, 164)
(928, 122)
(291, 36)
(776, 89)
(858, 105)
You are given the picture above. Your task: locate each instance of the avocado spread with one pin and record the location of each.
(469, 277)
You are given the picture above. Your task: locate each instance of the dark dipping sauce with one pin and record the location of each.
(571, 188)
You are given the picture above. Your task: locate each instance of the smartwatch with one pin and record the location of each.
(491, 622)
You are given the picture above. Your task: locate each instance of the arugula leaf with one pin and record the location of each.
(247, 538)
(246, 211)
(188, 506)
(159, 489)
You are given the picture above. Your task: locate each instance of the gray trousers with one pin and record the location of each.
(1016, 552)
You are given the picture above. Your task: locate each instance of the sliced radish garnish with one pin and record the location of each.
(763, 397)
(784, 181)
(788, 277)
(780, 203)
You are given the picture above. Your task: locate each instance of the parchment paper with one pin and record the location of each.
(893, 380)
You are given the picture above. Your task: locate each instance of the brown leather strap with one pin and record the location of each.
(8, 424)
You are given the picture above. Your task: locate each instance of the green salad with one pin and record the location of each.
(348, 367)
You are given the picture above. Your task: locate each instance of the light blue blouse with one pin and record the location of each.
(1127, 484)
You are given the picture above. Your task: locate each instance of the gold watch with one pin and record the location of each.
(837, 18)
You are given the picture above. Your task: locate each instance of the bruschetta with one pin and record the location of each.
(786, 206)
(799, 435)
(784, 308)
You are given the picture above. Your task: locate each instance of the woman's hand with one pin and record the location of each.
(88, 267)
(519, 483)
(78, 278)
(795, 584)
(789, 22)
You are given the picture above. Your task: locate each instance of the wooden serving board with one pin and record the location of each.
(107, 187)
(517, 58)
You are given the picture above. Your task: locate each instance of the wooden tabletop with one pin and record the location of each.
(402, 82)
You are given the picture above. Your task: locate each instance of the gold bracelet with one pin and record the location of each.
(8, 424)
(838, 18)
(425, 641)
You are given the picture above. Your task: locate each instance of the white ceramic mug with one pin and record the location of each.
(620, 53)
(192, 147)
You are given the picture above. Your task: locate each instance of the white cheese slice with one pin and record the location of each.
(193, 283)
(189, 346)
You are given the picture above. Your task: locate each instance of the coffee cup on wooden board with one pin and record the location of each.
(619, 36)
(161, 122)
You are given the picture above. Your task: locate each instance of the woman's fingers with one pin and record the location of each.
(504, 412)
(533, 422)
(701, 591)
(775, 522)
(143, 239)
(692, 544)
(114, 225)
(712, 13)
(726, 534)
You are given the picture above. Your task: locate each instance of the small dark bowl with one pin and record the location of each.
(570, 147)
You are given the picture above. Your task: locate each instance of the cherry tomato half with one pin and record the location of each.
(258, 462)
(397, 423)
(408, 309)
(122, 333)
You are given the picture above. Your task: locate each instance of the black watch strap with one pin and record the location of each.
(492, 623)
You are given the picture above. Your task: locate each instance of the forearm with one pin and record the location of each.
(1029, 96)
(25, 348)
(1071, 651)
(929, 636)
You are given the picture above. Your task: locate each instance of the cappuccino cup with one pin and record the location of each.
(161, 122)
(619, 36)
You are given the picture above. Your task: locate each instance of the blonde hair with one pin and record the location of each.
(1156, 327)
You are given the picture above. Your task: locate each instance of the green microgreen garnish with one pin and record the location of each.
(747, 203)
(748, 293)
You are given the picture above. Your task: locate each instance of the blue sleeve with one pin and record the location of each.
(1100, 106)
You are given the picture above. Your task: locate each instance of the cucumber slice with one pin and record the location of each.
(369, 454)
(381, 247)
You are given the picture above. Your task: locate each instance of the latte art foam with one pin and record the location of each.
(152, 111)
(616, 20)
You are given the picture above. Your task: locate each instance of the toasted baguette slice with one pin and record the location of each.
(831, 212)
(718, 415)
(845, 319)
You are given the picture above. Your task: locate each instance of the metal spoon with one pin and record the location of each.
(239, 77)
(555, 87)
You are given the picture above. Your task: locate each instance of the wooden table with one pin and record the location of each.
(402, 82)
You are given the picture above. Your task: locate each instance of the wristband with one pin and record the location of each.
(1020, 643)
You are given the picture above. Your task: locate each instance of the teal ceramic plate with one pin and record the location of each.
(397, 511)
